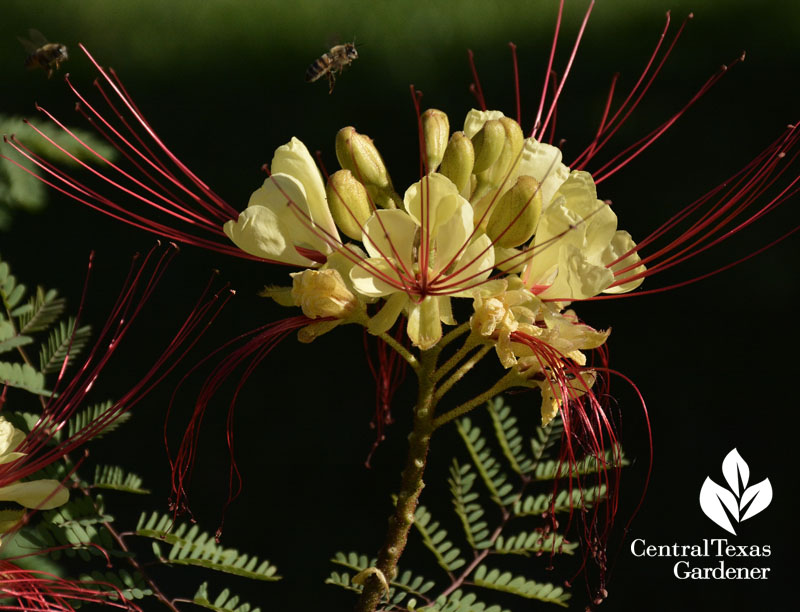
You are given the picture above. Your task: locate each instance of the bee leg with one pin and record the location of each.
(331, 81)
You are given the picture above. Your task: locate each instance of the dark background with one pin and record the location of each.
(222, 84)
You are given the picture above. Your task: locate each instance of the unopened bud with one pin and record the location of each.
(436, 129)
(322, 293)
(510, 154)
(514, 218)
(349, 203)
(458, 161)
(488, 144)
(358, 154)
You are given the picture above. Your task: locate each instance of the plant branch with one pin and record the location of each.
(462, 371)
(411, 486)
(511, 379)
(401, 350)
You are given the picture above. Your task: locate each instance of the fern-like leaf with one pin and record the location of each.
(22, 376)
(88, 416)
(533, 543)
(467, 507)
(13, 342)
(556, 468)
(42, 310)
(435, 540)
(535, 505)
(194, 547)
(80, 511)
(120, 582)
(495, 479)
(64, 340)
(459, 601)
(224, 602)
(117, 479)
(504, 581)
(509, 436)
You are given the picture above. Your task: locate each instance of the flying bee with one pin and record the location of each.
(43, 54)
(331, 63)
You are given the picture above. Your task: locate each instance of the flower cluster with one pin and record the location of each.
(498, 218)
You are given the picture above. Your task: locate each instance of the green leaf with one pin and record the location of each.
(488, 466)
(130, 586)
(520, 586)
(115, 478)
(194, 547)
(435, 540)
(14, 342)
(535, 505)
(22, 376)
(224, 602)
(509, 436)
(536, 542)
(96, 416)
(41, 311)
(466, 505)
(63, 340)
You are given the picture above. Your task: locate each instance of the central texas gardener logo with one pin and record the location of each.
(738, 502)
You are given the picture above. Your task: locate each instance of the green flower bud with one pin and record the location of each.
(458, 160)
(349, 203)
(436, 129)
(488, 144)
(523, 199)
(510, 155)
(358, 154)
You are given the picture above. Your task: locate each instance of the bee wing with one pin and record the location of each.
(29, 46)
(37, 38)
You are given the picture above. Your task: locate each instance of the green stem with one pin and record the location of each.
(401, 350)
(511, 379)
(449, 337)
(470, 343)
(462, 371)
(410, 488)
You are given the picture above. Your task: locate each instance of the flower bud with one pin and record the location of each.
(514, 218)
(458, 160)
(349, 203)
(358, 154)
(488, 144)
(436, 129)
(322, 293)
(510, 155)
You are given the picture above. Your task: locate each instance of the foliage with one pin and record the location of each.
(18, 188)
(80, 540)
(499, 517)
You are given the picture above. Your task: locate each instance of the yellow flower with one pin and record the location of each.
(420, 256)
(290, 210)
(42, 494)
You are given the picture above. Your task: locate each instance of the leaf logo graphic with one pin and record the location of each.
(721, 504)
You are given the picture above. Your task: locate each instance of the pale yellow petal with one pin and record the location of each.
(475, 120)
(424, 326)
(621, 244)
(294, 159)
(367, 277)
(258, 232)
(386, 317)
(41, 494)
(391, 234)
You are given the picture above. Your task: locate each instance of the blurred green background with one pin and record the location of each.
(222, 83)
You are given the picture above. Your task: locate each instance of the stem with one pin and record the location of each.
(470, 343)
(450, 336)
(511, 379)
(462, 371)
(401, 350)
(132, 560)
(410, 488)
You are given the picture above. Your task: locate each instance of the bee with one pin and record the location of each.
(331, 63)
(43, 54)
